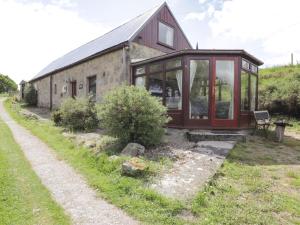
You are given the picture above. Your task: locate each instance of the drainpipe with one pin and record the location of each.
(126, 63)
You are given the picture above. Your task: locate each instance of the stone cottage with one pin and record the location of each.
(201, 88)
(104, 63)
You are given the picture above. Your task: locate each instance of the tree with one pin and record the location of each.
(7, 84)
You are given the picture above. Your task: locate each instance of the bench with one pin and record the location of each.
(262, 120)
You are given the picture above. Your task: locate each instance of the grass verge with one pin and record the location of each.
(23, 198)
(104, 175)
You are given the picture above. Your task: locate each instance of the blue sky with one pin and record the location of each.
(33, 33)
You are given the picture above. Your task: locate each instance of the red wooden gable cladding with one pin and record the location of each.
(149, 34)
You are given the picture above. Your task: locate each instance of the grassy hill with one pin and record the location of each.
(279, 90)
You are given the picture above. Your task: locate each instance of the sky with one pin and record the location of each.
(33, 33)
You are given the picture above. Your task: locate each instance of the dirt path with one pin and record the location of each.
(67, 187)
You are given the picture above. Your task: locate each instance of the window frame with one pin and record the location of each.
(249, 73)
(163, 71)
(89, 87)
(162, 43)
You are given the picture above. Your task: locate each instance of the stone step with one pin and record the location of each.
(196, 136)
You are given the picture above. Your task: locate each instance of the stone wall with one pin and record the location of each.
(43, 89)
(111, 70)
(141, 52)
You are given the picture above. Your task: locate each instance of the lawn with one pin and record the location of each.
(23, 198)
(258, 183)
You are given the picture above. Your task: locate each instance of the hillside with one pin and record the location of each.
(279, 90)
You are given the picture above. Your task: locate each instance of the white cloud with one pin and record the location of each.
(275, 24)
(195, 16)
(34, 34)
(202, 1)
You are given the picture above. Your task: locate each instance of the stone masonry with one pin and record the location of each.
(111, 69)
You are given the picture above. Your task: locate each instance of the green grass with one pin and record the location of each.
(23, 198)
(130, 194)
(251, 187)
(256, 185)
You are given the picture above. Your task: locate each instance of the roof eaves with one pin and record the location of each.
(121, 45)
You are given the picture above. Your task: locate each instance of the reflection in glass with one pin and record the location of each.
(155, 68)
(224, 89)
(174, 63)
(199, 89)
(155, 82)
(140, 81)
(245, 104)
(253, 92)
(174, 89)
(140, 70)
(165, 34)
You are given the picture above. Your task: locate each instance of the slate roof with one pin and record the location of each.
(119, 35)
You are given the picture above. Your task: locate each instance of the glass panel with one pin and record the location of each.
(245, 104)
(140, 81)
(155, 68)
(155, 82)
(245, 65)
(224, 89)
(165, 34)
(253, 68)
(199, 89)
(92, 87)
(140, 70)
(253, 92)
(173, 63)
(174, 89)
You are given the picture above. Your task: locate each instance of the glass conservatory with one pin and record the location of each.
(203, 89)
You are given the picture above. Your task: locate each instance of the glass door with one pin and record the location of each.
(224, 103)
(199, 92)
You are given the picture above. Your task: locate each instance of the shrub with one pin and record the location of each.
(30, 95)
(78, 114)
(131, 114)
(108, 144)
(56, 116)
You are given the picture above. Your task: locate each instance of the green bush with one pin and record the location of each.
(56, 116)
(30, 95)
(7, 84)
(131, 114)
(78, 114)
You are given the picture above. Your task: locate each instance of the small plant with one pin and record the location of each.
(131, 114)
(30, 95)
(78, 114)
(56, 116)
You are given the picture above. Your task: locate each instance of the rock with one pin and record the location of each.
(134, 167)
(29, 115)
(69, 135)
(89, 144)
(133, 149)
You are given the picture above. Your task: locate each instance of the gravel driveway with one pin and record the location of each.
(68, 188)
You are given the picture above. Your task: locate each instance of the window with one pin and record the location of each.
(253, 92)
(245, 103)
(155, 85)
(140, 70)
(140, 81)
(55, 89)
(174, 89)
(245, 64)
(173, 64)
(165, 34)
(199, 89)
(155, 68)
(224, 89)
(92, 87)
